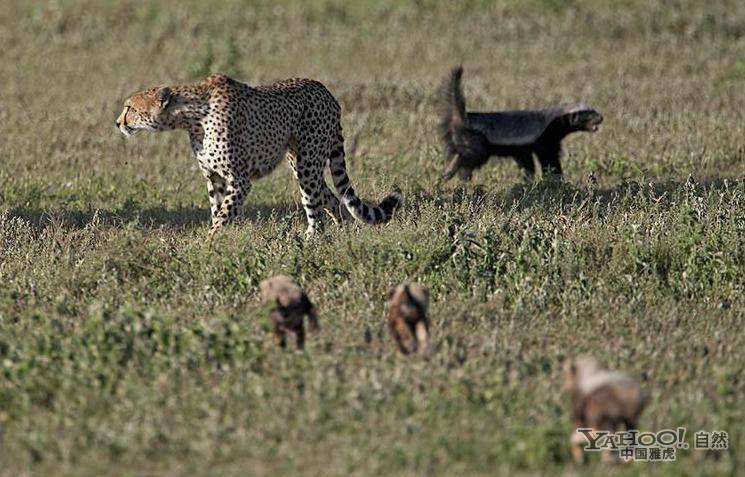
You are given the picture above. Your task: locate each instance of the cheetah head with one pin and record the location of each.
(145, 111)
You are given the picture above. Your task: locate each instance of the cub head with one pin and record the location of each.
(145, 111)
(412, 300)
(282, 290)
(578, 371)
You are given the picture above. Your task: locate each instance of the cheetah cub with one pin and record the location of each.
(291, 305)
(407, 317)
(601, 400)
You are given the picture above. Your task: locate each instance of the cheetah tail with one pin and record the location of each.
(369, 213)
(360, 210)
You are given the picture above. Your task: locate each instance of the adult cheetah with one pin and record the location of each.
(239, 133)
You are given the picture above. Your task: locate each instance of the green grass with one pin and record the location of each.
(128, 347)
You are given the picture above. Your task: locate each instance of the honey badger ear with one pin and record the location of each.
(163, 95)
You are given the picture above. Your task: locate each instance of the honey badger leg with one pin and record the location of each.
(525, 161)
(549, 156)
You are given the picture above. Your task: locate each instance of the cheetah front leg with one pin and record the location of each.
(236, 190)
(216, 192)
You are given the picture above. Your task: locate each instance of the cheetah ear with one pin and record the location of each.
(164, 96)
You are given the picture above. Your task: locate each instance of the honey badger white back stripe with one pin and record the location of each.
(359, 209)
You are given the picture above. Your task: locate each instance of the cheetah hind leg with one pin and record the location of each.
(310, 198)
(314, 194)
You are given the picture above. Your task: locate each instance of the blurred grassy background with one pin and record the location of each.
(128, 348)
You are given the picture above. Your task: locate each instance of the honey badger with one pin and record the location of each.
(472, 138)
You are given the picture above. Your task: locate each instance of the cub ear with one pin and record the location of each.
(421, 290)
(163, 95)
(391, 291)
(571, 368)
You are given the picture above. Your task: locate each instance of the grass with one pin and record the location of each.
(127, 347)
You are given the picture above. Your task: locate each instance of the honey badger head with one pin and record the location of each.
(583, 118)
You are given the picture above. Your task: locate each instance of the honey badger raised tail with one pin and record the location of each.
(453, 113)
(360, 210)
(470, 139)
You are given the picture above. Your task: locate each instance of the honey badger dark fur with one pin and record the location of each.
(472, 138)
